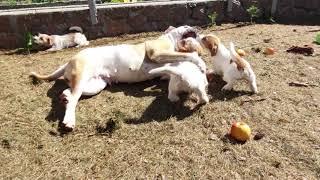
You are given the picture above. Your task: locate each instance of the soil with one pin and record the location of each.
(132, 131)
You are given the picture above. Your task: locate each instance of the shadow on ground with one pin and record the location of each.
(159, 110)
(214, 90)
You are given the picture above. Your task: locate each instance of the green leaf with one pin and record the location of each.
(318, 39)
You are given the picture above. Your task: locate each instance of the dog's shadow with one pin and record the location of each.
(160, 108)
(214, 90)
(152, 87)
(57, 109)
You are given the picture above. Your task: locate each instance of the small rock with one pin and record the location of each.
(242, 158)
(213, 137)
(267, 40)
(256, 50)
(277, 164)
(258, 136)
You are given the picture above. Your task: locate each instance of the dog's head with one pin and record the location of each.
(210, 42)
(182, 32)
(189, 45)
(43, 40)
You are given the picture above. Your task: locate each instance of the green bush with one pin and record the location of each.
(317, 39)
(253, 12)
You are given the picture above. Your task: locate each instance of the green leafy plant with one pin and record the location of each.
(28, 41)
(213, 18)
(12, 2)
(317, 41)
(253, 12)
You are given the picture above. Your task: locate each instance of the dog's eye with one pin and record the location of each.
(41, 38)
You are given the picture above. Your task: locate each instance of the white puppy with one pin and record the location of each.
(89, 72)
(228, 64)
(57, 42)
(185, 76)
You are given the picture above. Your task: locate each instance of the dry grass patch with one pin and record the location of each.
(133, 131)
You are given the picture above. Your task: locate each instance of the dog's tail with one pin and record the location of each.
(165, 70)
(75, 29)
(245, 67)
(236, 58)
(53, 76)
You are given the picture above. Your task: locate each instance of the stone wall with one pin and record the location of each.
(299, 11)
(142, 17)
(113, 19)
(287, 11)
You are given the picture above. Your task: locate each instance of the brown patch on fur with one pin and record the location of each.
(152, 47)
(211, 42)
(50, 40)
(239, 62)
(75, 70)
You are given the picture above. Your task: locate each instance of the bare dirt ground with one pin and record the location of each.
(134, 132)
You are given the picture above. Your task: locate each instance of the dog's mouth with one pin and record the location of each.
(189, 33)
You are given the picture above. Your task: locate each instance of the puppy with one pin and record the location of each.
(228, 64)
(185, 76)
(57, 42)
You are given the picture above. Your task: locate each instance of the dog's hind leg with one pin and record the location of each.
(173, 91)
(230, 81)
(172, 57)
(77, 85)
(253, 83)
(94, 86)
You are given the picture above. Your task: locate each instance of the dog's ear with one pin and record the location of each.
(170, 28)
(211, 42)
(50, 40)
(213, 48)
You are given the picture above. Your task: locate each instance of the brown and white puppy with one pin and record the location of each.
(228, 63)
(58, 42)
(90, 70)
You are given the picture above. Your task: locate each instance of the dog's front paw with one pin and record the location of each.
(173, 98)
(67, 126)
(69, 122)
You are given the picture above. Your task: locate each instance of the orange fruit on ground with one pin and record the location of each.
(269, 51)
(240, 131)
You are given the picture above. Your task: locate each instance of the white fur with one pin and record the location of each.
(59, 42)
(224, 65)
(184, 77)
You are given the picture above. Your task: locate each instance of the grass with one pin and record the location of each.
(134, 132)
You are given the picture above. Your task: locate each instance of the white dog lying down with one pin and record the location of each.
(89, 72)
(228, 64)
(185, 76)
(57, 42)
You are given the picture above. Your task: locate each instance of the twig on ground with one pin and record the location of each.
(252, 100)
(314, 30)
(301, 84)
